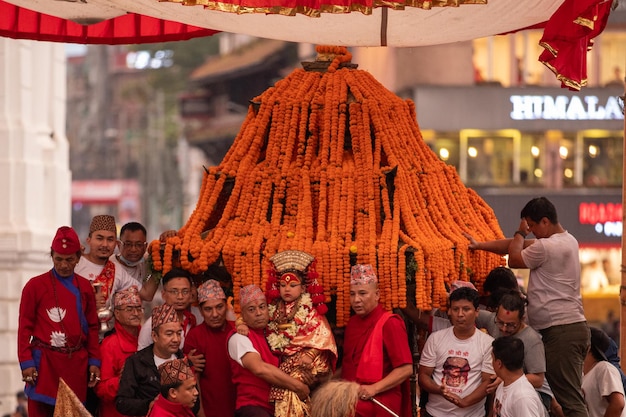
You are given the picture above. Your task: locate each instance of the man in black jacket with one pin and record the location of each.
(140, 382)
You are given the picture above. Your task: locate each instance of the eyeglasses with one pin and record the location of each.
(132, 245)
(509, 326)
(178, 292)
(131, 309)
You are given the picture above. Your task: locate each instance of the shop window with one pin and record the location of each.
(445, 145)
(531, 161)
(487, 158)
(602, 156)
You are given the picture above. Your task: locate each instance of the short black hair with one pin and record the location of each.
(498, 281)
(513, 301)
(509, 350)
(133, 227)
(176, 273)
(464, 293)
(165, 389)
(538, 208)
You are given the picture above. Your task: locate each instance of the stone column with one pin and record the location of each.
(35, 182)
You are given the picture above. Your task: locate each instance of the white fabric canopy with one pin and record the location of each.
(409, 27)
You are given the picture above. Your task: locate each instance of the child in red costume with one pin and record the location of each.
(178, 390)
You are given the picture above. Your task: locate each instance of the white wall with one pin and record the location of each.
(34, 182)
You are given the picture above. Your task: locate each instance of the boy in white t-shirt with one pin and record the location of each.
(602, 383)
(455, 366)
(515, 396)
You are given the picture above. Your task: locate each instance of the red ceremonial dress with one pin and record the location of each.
(58, 334)
(115, 349)
(165, 408)
(217, 389)
(371, 352)
(297, 329)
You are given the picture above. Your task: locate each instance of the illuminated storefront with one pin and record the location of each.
(513, 144)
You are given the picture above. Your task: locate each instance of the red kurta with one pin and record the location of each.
(165, 408)
(60, 315)
(114, 349)
(395, 353)
(216, 384)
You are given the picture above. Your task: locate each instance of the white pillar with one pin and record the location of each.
(35, 181)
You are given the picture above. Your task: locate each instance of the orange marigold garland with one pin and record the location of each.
(334, 164)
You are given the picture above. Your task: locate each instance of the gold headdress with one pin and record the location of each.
(295, 262)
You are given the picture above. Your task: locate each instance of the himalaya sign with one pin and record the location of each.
(565, 108)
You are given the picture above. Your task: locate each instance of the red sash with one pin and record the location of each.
(106, 278)
(370, 368)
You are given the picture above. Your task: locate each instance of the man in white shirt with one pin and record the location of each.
(515, 396)
(132, 249)
(455, 366)
(98, 268)
(555, 306)
(602, 383)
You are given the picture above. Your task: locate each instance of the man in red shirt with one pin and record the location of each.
(253, 366)
(57, 335)
(376, 348)
(118, 346)
(217, 391)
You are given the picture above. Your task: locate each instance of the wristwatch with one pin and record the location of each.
(519, 232)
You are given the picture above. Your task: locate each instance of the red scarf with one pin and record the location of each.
(188, 320)
(370, 368)
(106, 278)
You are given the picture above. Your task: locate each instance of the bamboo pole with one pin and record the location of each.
(622, 291)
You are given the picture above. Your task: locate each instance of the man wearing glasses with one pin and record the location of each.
(510, 321)
(117, 346)
(177, 293)
(132, 248)
(96, 266)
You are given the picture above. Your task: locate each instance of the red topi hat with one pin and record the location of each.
(66, 241)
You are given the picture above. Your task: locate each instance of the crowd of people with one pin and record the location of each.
(83, 322)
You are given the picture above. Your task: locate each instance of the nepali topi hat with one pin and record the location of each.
(362, 274)
(127, 297)
(250, 293)
(210, 290)
(173, 371)
(66, 241)
(103, 222)
(163, 314)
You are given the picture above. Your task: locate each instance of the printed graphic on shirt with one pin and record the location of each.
(497, 408)
(455, 373)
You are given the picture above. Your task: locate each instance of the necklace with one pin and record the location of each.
(281, 316)
(285, 324)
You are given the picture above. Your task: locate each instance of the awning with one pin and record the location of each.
(570, 25)
(125, 28)
(373, 25)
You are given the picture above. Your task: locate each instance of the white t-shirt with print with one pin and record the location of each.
(461, 363)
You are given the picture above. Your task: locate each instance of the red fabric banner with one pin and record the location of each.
(20, 23)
